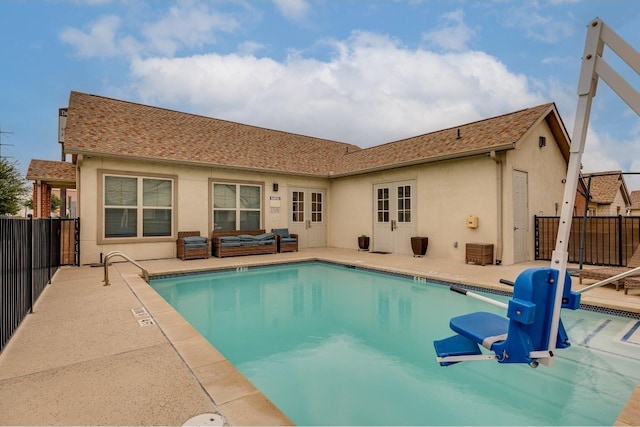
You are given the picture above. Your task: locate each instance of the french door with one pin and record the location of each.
(307, 217)
(394, 217)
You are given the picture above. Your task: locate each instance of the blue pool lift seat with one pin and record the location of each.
(523, 336)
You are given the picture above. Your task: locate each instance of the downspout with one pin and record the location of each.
(498, 160)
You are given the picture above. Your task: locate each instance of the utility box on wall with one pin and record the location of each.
(472, 221)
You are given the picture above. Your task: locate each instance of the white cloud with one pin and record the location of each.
(454, 34)
(372, 90)
(548, 29)
(99, 40)
(293, 9)
(186, 25)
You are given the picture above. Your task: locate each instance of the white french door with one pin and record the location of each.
(307, 217)
(394, 221)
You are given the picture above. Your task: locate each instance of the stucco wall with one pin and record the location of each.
(447, 193)
(545, 170)
(193, 206)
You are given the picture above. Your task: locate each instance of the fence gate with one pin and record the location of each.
(70, 241)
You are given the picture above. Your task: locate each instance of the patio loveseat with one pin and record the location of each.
(242, 242)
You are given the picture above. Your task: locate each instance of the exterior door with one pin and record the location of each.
(394, 221)
(307, 217)
(520, 217)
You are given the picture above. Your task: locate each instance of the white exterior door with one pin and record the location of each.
(307, 217)
(394, 217)
(520, 217)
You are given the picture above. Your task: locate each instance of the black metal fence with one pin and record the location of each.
(608, 240)
(30, 253)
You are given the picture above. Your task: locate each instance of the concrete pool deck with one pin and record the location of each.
(120, 355)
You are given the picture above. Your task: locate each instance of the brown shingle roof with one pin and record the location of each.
(605, 186)
(51, 171)
(497, 133)
(635, 199)
(103, 126)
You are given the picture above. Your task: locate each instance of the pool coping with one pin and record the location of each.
(238, 400)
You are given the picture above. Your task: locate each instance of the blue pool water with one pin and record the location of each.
(330, 345)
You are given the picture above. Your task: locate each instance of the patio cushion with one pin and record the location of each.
(230, 244)
(195, 245)
(282, 232)
(229, 239)
(247, 243)
(288, 239)
(194, 239)
(265, 236)
(247, 237)
(266, 242)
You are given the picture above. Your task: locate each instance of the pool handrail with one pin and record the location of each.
(145, 273)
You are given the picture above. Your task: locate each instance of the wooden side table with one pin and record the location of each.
(479, 253)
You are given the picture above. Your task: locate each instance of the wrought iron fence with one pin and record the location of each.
(608, 240)
(30, 253)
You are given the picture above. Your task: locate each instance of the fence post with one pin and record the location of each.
(30, 262)
(620, 241)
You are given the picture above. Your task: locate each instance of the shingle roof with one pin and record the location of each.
(605, 185)
(52, 171)
(103, 126)
(497, 133)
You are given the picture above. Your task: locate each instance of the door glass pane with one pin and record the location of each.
(297, 207)
(404, 203)
(120, 222)
(316, 207)
(383, 205)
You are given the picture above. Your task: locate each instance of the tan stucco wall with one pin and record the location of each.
(545, 170)
(447, 193)
(193, 206)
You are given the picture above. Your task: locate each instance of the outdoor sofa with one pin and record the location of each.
(242, 242)
(604, 273)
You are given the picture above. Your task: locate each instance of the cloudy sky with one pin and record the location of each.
(363, 72)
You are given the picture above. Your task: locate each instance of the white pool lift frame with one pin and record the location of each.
(593, 68)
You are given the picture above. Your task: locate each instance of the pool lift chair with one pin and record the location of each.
(533, 331)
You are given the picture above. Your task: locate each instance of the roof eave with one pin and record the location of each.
(472, 153)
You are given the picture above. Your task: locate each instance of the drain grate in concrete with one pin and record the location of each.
(146, 322)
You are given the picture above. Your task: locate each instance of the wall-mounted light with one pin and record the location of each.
(275, 187)
(542, 141)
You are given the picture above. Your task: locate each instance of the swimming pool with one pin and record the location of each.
(331, 345)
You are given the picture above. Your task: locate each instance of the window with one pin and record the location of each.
(297, 209)
(404, 203)
(383, 205)
(137, 207)
(237, 206)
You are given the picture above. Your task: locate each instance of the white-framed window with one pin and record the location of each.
(236, 206)
(137, 206)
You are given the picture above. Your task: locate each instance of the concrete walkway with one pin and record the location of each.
(119, 355)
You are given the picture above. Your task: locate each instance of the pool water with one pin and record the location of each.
(331, 345)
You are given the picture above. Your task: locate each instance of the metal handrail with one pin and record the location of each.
(145, 273)
(610, 280)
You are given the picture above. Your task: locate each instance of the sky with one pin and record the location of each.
(361, 72)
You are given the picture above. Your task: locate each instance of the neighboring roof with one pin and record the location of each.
(103, 126)
(62, 174)
(605, 185)
(484, 136)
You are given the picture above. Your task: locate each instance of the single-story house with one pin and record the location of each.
(143, 174)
